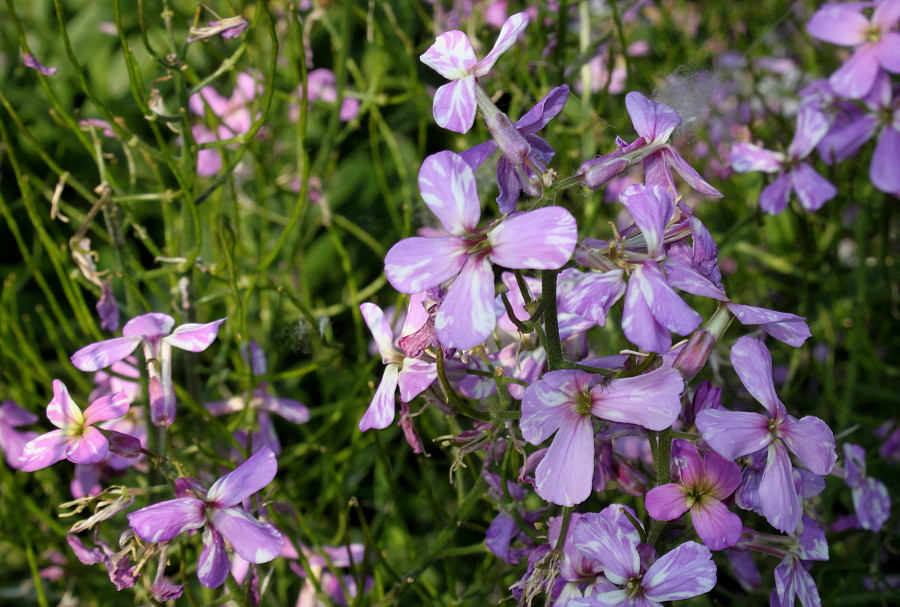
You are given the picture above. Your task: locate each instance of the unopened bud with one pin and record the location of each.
(123, 444)
(695, 353)
(510, 141)
(706, 396)
(597, 172)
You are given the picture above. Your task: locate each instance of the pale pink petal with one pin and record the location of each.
(686, 460)
(104, 353)
(447, 185)
(62, 410)
(746, 157)
(716, 526)
(212, 568)
(291, 410)
(593, 297)
(734, 433)
(884, 171)
(666, 502)
(812, 124)
(666, 306)
(416, 315)
(415, 377)
(886, 15)
(651, 400)
(639, 325)
(788, 328)
(466, 317)
(839, 24)
(855, 78)
(812, 189)
(150, 326)
(89, 448)
(812, 441)
(451, 55)
(651, 206)
(549, 404)
(652, 121)
(564, 475)
(511, 31)
(415, 264)
(774, 198)
(543, 239)
(682, 573)
(194, 337)
(107, 408)
(777, 492)
(723, 476)
(454, 105)
(43, 451)
(381, 410)
(887, 50)
(163, 521)
(753, 364)
(255, 541)
(245, 480)
(381, 331)
(599, 538)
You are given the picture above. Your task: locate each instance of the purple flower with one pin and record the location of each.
(733, 434)
(871, 499)
(411, 375)
(452, 57)
(703, 483)
(76, 438)
(513, 173)
(219, 513)
(11, 440)
(234, 114)
(654, 122)
(108, 308)
(565, 402)
(30, 61)
(118, 564)
(685, 572)
(229, 27)
(876, 45)
(538, 240)
(797, 176)
(154, 331)
(321, 85)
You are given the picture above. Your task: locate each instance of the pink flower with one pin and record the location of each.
(538, 240)
(76, 438)
(452, 57)
(11, 440)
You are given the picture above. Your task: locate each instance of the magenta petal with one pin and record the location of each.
(447, 185)
(107, 408)
(255, 541)
(467, 317)
(382, 409)
(564, 475)
(682, 573)
(716, 526)
(163, 521)
(104, 353)
(245, 480)
(212, 568)
(194, 337)
(62, 410)
(723, 476)
(651, 400)
(415, 264)
(89, 448)
(812, 441)
(812, 189)
(777, 492)
(855, 78)
(652, 121)
(666, 502)
(454, 105)
(774, 198)
(43, 451)
(511, 31)
(886, 15)
(883, 171)
(415, 377)
(150, 326)
(753, 363)
(734, 433)
(839, 24)
(543, 239)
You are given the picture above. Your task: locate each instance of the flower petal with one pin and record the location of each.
(255, 541)
(381, 331)
(753, 363)
(382, 409)
(746, 157)
(149, 326)
(104, 353)
(651, 400)
(683, 573)
(62, 410)
(564, 475)
(787, 328)
(652, 121)
(812, 189)
(774, 198)
(466, 316)
(842, 24)
(652, 207)
(447, 185)
(451, 55)
(454, 105)
(883, 171)
(777, 492)
(511, 31)
(667, 307)
(543, 239)
(89, 448)
(107, 408)
(245, 480)
(163, 521)
(548, 404)
(415, 264)
(716, 526)
(734, 433)
(194, 337)
(855, 78)
(290, 409)
(666, 502)
(689, 174)
(639, 324)
(212, 568)
(43, 451)
(812, 441)
(544, 111)
(415, 377)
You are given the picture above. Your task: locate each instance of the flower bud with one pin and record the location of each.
(510, 141)
(695, 353)
(124, 445)
(597, 172)
(706, 396)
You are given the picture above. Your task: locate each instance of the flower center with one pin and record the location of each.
(583, 403)
(634, 587)
(873, 34)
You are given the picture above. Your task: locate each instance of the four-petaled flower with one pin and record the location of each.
(221, 516)
(76, 438)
